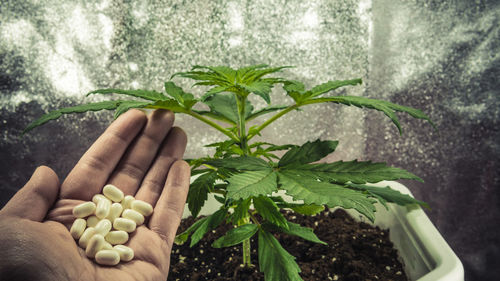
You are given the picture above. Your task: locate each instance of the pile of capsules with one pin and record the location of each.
(103, 225)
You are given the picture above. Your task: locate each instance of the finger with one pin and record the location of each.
(170, 206)
(172, 149)
(133, 166)
(36, 197)
(92, 171)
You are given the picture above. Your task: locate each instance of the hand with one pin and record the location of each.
(138, 154)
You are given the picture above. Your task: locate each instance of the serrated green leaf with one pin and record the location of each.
(305, 209)
(354, 171)
(126, 105)
(274, 261)
(226, 105)
(244, 163)
(269, 211)
(236, 236)
(183, 98)
(251, 183)
(241, 72)
(308, 152)
(223, 149)
(174, 91)
(213, 91)
(388, 108)
(311, 209)
(265, 110)
(169, 104)
(305, 233)
(224, 72)
(294, 86)
(211, 222)
(143, 94)
(203, 76)
(260, 88)
(321, 193)
(241, 211)
(332, 85)
(198, 192)
(387, 194)
(257, 73)
(52, 115)
(220, 199)
(184, 236)
(195, 172)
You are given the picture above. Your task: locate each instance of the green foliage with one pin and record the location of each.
(143, 94)
(305, 233)
(269, 211)
(240, 171)
(388, 108)
(312, 191)
(206, 225)
(276, 263)
(353, 171)
(251, 183)
(386, 195)
(120, 105)
(236, 236)
(199, 190)
(308, 152)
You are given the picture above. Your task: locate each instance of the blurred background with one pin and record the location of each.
(442, 57)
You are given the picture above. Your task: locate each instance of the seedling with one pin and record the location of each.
(241, 172)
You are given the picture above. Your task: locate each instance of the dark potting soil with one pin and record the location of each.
(355, 251)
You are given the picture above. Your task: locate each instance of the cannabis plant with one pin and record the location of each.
(246, 176)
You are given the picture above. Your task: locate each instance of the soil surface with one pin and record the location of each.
(355, 251)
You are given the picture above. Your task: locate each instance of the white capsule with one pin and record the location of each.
(124, 224)
(84, 209)
(117, 237)
(98, 197)
(127, 201)
(78, 228)
(103, 207)
(142, 207)
(87, 234)
(107, 246)
(115, 211)
(113, 193)
(137, 217)
(126, 253)
(107, 257)
(92, 221)
(96, 243)
(103, 227)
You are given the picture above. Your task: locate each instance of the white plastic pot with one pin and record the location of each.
(425, 254)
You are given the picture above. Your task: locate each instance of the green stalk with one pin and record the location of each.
(271, 120)
(285, 111)
(203, 119)
(247, 259)
(240, 101)
(213, 124)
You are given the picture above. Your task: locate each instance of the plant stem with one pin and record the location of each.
(271, 120)
(247, 259)
(213, 124)
(240, 101)
(285, 111)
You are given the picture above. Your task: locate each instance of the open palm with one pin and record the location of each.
(138, 154)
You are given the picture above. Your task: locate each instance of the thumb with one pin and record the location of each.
(36, 197)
